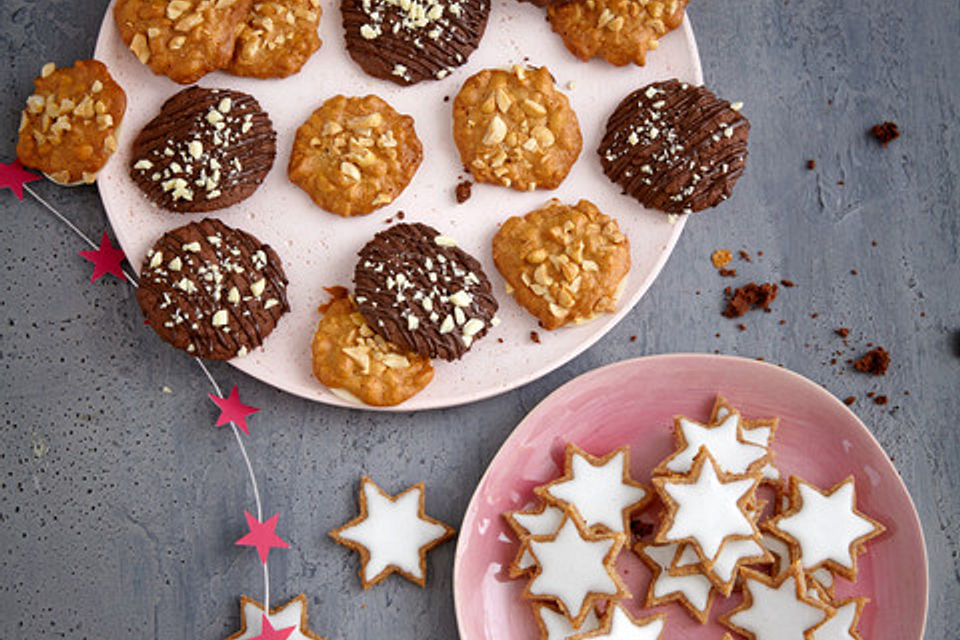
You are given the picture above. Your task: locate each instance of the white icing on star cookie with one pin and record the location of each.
(825, 526)
(620, 625)
(843, 624)
(705, 507)
(576, 568)
(694, 591)
(725, 568)
(599, 490)
(556, 626)
(290, 614)
(540, 521)
(392, 534)
(776, 609)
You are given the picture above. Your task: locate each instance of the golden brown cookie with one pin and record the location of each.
(563, 263)
(348, 355)
(354, 155)
(181, 39)
(69, 128)
(620, 31)
(514, 128)
(277, 38)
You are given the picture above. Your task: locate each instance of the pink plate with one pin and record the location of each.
(633, 402)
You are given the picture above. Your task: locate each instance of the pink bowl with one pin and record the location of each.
(634, 402)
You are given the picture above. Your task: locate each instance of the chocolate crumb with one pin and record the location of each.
(463, 191)
(849, 400)
(401, 215)
(874, 362)
(854, 272)
(750, 296)
(814, 315)
(500, 340)
(881, 400)
(843, 332)
(727, 273)
(783, 322)
(886, 132)
(841, 182)
(811, 164)
(788, 283)
(744, 255)
(446, 98)
(873, 243)
(716, 335)
(760, 253)
(871, 394)
(535, 336)
(742, 327)
(633, 338)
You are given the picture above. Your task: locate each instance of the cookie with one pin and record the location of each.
(515, 129)
(554, 625)
(846, 618)
(563, 263)
(392, 534)
(694, 591)
(292, 613)
(724, 570)
(620, 31)
(776, 609)
(68, 129)
(705, 507)
(599, 490)
(348, 355)
(213, 291)
(540, 521)
(181, 39)
(354, 155)
(825, 527)
(277, 39)
(575, 569)
(408, 42)
(417, 289)
(675, 147)
(207, 149)
(760, 432)
(618, 624)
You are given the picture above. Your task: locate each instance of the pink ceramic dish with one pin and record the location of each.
(634, 402)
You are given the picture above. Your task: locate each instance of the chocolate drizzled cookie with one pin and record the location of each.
(213, 291)
(417, 289)
(409, 41)
(675, 147)
(207, 149)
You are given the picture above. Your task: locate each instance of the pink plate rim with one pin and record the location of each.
(519, 432)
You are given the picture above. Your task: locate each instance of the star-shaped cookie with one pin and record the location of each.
(576, 568)
(392, 534)
(695, 592)
(599, 490)
(846, 617)
(825, 527)
(619, 625)
(293, 613)
(554, 625)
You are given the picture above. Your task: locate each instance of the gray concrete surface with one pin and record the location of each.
(118, 501)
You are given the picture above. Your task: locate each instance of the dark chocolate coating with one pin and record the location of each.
(408, 46)
(204, 268)
(236, 150)
(404, 273)
(675, 147)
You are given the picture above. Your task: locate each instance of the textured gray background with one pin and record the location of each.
(118, 502)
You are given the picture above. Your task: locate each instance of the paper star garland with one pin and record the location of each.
(262, 536)
(289, 618)
(232, 410)
(105, 260)
(13, 176)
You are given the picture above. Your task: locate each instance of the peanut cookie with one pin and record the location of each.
(69, 128)
(207, 149)
(675, 147)
(348, 355)
(213, 291)
(417, 289)
(181, 39)
(408, 41)
(354, 155)
(563, 263)
(621, 31)
(514, 128)
(277, 39)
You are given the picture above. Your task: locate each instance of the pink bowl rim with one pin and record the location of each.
(654, 360)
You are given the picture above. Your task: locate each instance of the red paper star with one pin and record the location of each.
(105, 260)
(262, 536)
(232, 410)
(269, 633)
(14, 177)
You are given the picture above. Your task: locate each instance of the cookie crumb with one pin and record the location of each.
(720, 258)
(843, 332)
(811, 164)
(633, 338)
(446, 98)
(742, 327)
(750, 296)
(463, 191)
(881, 400)
(841, 182)
(849, 400)
(886, 132)
(535, 337)
(854, 272)
(874, 362)
(727, 273)
(401, 215)
(744, 255)
(788, 283)
(500, 340)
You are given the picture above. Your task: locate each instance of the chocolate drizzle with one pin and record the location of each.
(675, 147)
(211, 290)
(207, 149)
(426, 40)
(418, 290)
